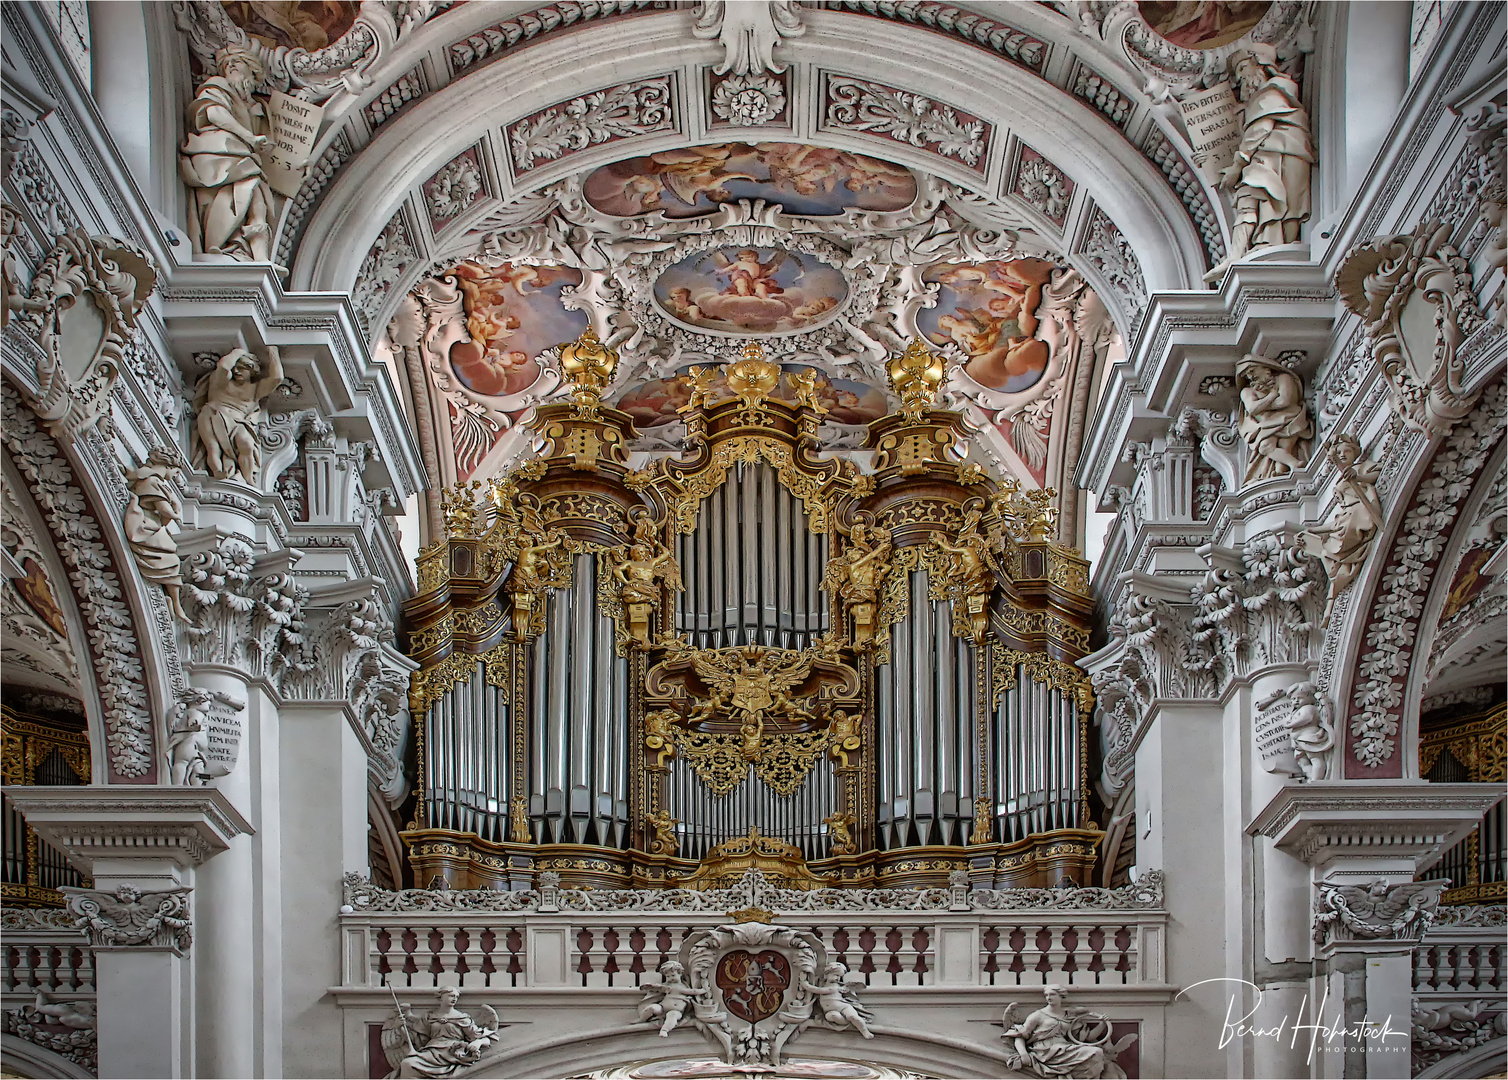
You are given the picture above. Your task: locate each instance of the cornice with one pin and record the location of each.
(186, 825)
(1400, 819)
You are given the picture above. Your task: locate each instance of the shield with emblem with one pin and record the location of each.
(753, 984)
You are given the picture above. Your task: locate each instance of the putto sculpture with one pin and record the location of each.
(439, 1044)
(1059, 1041)
(228, 403)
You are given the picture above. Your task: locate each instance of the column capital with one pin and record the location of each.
(1385, 827)
(183, 825)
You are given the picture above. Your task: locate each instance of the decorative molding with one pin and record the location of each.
(1043, 186)
(454, 188)
(1110, 253)
(1003, 40)
(114, 651)
(643, 107)
(850, 104)
(540, 21)
(1392, 614)
(128, 917)
(748, 100)
(749, 31)
(393, 252)
(755, 890)
(1378, 911)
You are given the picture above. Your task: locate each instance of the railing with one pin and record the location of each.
(892, 937)
(42, 951)
(1459, 984)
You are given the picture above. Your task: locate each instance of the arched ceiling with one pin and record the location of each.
(1004, 154)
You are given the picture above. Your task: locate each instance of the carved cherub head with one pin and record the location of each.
(1345, 451)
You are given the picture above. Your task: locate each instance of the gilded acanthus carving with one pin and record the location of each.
(153, 507)
(228, 403)
(441, 1043)
(1343, 542)
(1376, 911)
(1269, 175)
(1414, 293)
(1060, 1041)
(127, 916)
(1274, 418)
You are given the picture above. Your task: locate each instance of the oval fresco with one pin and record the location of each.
(989, 311)
(733, 290)
(659, 401)
(813, 181)
(1203, 24)
(512, 313)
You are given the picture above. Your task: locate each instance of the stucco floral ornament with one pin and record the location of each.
(748, 100)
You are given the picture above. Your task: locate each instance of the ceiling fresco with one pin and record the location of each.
(1202, 24)
(751, 291)
(809, 180)
(294, 24)
(674, 261)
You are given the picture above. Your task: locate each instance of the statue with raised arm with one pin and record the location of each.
(1269, 174)
(856, 576)
(1274, 418)
(441, 1044)
(152, 507)
(228, 402)
(969, 577)
(837, 1001)
(1343, 542)
(220, 161)
(1056, 1041)
(537, 568)
(665, 1001)
(638, 572)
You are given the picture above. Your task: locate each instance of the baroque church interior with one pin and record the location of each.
(839, 539)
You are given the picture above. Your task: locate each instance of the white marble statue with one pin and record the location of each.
(1269, 174)
(221, 162)
(1056, 1041)
(665, 1001)
(152, 508)
(1343, 542)
(1274, 418)
(188, 738)
(441, 1044)
(229, 405)
(1311, 730)
(839, 1003)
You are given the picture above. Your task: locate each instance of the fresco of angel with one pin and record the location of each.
(989, 311)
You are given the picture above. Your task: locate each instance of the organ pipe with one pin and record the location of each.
(624, 672)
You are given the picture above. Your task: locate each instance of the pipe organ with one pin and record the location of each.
(854, 668)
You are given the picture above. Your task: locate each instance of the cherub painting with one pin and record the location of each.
(294, 24)
(1203, 24)
(989, 310)
(811, 180)
(512, 312)
(751, 290)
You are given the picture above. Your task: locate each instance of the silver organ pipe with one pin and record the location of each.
(579, 721)
(751, 567)
(1036, 764)
(467, 734)
(924, 710)
(708, 819)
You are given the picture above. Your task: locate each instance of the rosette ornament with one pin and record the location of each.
(589, 365)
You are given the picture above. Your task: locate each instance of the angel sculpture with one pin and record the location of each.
(856, 576)
(441, 1044)
(132, 917)
(665, 1001)
(637, 572)
(1055, 1041)
(537, 568)
(970, 578)
(756, 690)
(1378, 910)
(1311, 729)
(838, 1000)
